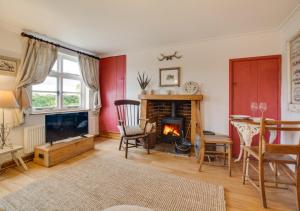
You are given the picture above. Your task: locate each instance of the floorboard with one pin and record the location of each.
(238, 196)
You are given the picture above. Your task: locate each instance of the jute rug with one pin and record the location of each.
(100, 183)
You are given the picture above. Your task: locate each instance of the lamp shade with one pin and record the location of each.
(8, 100)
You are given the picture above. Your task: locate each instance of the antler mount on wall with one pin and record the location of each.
(169, 57)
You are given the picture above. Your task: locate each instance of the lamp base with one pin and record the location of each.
(4, 132)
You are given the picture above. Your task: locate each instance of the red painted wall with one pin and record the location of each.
(258, 80)
(112, 87)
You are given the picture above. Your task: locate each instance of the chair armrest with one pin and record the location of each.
(283, 149)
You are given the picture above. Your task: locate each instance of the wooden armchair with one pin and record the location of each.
(129, 124)
(277, 155)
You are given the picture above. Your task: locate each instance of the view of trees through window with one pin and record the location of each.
(62, 88)
(43, 100)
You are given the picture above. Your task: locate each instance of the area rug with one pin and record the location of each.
(99, 183)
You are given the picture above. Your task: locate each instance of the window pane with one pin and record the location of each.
(49, 85)
(71, 85)
(70, 66)
(44, 100)
(71, 100)
(54, 68)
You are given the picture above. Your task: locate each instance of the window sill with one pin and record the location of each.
(45, 112)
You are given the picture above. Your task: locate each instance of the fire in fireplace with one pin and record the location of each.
(172, 127)
(171, 130)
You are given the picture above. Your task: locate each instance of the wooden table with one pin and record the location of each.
(13, 150)
(247, 129)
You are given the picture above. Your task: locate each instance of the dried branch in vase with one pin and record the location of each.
(143, 80)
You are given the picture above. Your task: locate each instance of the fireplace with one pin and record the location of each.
(159, 107)
(172, 128)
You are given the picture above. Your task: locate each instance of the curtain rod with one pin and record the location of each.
(57, 45)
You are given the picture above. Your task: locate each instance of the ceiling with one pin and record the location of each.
(106, 26)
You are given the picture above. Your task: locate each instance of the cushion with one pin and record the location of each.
(151, 127)
(131, 130)
(137, 130)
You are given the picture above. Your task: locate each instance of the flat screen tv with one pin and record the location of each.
(67, 125)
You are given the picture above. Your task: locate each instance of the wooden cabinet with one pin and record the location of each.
(47, 155)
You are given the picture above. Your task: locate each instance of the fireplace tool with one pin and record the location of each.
(183, 145)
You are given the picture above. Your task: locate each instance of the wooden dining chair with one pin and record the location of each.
(277, 155)
(130, 125)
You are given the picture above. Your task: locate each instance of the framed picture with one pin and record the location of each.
(169, 76)
(8, 66)
(294, 73)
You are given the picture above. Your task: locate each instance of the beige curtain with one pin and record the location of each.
(36, 63)
(13, 117)
(90, 73)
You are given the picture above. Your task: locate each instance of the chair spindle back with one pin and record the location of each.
(128, 112)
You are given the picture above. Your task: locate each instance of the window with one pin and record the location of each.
(63, 89)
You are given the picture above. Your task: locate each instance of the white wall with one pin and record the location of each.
(11, 45)
(206, 62)
(289, 29)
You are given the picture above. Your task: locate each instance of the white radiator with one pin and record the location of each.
(33, 136)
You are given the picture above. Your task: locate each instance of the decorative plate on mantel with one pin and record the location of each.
(191, 87)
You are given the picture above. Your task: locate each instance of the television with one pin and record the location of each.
(66, 125)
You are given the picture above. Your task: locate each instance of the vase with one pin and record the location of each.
(143, 92)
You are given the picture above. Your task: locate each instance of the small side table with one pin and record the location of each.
(13, 150)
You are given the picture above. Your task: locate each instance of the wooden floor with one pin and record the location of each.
(238, 196)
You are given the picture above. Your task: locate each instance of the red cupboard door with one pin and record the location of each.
(112, 87)
(269, 82)
(254, 80)
(244, 82)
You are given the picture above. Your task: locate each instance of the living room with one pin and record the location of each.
(139, 105)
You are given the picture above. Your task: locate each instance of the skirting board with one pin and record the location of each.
(112, 135)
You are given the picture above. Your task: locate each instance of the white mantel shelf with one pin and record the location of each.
(171, 97)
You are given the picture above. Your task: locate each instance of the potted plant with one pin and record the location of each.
(144, 81)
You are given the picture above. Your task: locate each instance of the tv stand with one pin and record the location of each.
(49, 155)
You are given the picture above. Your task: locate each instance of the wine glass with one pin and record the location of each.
(262, 108)
(254, 107)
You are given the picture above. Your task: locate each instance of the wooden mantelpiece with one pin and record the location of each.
(171, 97)
(196, 125)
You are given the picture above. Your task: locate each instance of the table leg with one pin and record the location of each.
(242, 143)
(21, 161)
(240, 154)
(13, 155)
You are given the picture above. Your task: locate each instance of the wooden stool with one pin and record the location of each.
(224, 141)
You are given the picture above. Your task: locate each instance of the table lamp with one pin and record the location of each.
(7, 101)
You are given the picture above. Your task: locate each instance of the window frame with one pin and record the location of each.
(60, 75)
